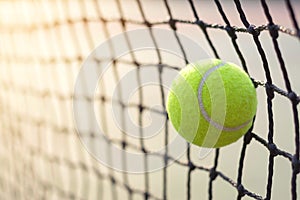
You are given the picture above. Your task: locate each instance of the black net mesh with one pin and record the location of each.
(43, 45)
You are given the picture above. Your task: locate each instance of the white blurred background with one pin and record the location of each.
(43, 45)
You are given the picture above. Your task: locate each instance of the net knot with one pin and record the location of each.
(123, 22)
(83, 166)
(79, 58)
(85, 20)
(69, 21)
(137, 64)
(141, 108)
(123, 106)
(241, 190)
(148, 24)
(128, 189)
(248, 137)
(172, 24)
(160, 67)
(213, 174)
(296, 164)
(124, 145)
(231, 32)
(102, 98)
(269, 90)
(144, 150)
(71, 196)
(252, 30)
(255, 83)
(146, 195)
(113, 180)
(191, 166)
(293, 97)
(200, 23)
(92, 135)
(273, 30)
(273, 149)
(97, 173)
(166, 158)
(103, 20)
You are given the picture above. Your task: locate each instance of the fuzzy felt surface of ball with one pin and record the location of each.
(212, 103)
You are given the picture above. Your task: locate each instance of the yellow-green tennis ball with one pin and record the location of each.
(212, 103)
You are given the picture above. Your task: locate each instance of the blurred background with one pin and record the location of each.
(43, 47)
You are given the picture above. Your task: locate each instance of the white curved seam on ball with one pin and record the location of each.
(202, 109)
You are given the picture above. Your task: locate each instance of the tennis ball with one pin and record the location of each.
(212, 103)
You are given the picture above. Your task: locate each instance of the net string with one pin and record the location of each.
(213, 172)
